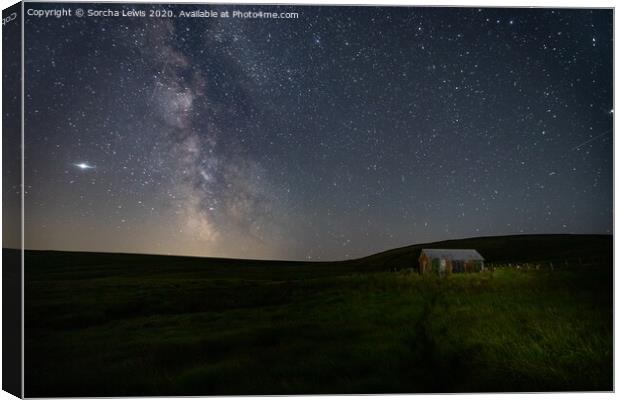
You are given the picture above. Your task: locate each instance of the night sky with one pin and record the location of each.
(344, 132)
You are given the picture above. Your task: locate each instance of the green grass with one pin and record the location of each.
(122, 325)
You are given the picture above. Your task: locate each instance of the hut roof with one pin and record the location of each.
(453, 254)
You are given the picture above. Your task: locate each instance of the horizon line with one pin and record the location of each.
(303, 261)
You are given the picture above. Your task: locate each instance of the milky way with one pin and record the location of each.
(337, 134)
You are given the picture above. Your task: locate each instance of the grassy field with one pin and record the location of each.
(113, 324)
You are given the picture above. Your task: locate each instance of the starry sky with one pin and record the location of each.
(334, 135)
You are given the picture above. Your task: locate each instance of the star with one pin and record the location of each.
(384, 128)
(84, 166)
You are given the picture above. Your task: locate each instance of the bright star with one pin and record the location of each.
(83, 166)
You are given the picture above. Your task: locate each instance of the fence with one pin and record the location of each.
(577, 262)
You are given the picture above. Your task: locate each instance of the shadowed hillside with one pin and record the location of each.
(508, 249)
(495, 249)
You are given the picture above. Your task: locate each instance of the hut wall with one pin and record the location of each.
(458, 266)
(423, 264)
(435, 265)
(441, 266)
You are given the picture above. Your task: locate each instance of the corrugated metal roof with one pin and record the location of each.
(453, 254)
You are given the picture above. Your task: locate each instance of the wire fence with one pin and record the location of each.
(551, 265)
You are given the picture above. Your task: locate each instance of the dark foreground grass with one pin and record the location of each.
(184, 330)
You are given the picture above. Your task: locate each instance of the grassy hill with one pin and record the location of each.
(495, 249)
(508, 249)
(120, 324)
